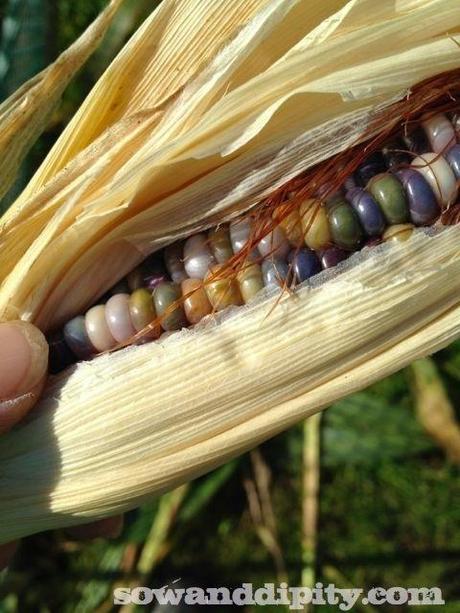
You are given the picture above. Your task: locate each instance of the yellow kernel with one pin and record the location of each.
(315, 224)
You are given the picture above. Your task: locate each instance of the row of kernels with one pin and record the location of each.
(106, 325)
(377, 204)
(414, 194)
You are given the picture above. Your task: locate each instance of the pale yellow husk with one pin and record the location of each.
(26, 113)
(210, 106)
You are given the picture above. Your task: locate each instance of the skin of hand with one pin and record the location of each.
(23, 370)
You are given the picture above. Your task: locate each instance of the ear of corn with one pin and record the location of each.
(148, 418)
(210, 107)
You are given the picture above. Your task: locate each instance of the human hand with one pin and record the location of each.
(23, 369)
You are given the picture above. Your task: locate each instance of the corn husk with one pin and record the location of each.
(210, 107)
(25, 115)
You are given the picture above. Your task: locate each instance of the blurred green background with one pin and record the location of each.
(387, 509)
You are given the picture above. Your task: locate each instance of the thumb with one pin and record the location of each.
(23, 367)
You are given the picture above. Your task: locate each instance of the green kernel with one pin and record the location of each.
(164, 296)
(344, 224)
(389, 194)
(142, 311)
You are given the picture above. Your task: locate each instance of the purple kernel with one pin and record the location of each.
(369, 212)
(423, 206)
(331, 257)
(305, 264)
(453, 159)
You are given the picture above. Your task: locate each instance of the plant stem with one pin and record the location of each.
(263, 516)
(433, 407)
(310, 501)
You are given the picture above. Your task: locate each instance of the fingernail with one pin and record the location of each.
(23, 358)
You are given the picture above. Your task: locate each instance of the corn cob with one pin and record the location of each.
(192, 151)
(390, 193)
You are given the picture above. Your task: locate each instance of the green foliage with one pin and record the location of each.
(371, 427)
(73, 16)
(205, 491)
(24, 47)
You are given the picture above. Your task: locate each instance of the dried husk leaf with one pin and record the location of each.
(26, 113)
(145, 419)
(213, 145)
(270, 90)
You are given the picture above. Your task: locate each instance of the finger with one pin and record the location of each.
(23, 367)
(6, 553)
(109, 528)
